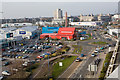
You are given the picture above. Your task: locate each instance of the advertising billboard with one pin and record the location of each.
(8, 35)
(22, 32)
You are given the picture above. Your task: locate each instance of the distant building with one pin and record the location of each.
(58, 21)
(88, 17)
(58, 14)
(96, 23)
(16, 24)
(119, 7)
(116, 18)
(104, 18)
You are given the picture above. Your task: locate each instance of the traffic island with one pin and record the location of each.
(99, 43)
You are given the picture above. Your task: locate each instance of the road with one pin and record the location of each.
(82, 70)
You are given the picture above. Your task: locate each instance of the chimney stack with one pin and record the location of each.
(66, 23)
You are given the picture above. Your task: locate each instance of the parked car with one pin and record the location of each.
(24, 57)
(6, 73)
(6, 63)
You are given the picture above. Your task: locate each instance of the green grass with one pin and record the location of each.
(77, 49)
(100, 43)
(57, 70)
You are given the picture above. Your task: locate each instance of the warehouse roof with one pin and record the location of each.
(29, 28)
(8, 29)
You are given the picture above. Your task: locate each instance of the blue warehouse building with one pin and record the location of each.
(50, 29)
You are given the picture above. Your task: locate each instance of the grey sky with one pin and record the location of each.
(60, 0)
(36, 9)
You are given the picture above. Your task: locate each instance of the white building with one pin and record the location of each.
(41, 23)
(116, 17)
(58, 14)
(27, 32)
(16, 24)
(114, 32)
(105, 18)
(88, 17)
(97, 23)
(58, 21)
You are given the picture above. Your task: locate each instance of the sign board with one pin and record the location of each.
(60, 64)
(66, 31)
(109, 49)
(92, 67)
(8, 35)
(22, 32)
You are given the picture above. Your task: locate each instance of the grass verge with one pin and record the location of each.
(77, 49)
(100, 43)
(57, 70)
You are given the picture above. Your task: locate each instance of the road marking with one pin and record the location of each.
(39, 70)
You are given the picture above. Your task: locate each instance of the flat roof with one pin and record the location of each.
(29, 28)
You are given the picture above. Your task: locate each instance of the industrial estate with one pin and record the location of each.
(61, 47)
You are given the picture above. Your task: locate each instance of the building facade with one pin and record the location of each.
(88, 17)
(50, 29)
(58, 14)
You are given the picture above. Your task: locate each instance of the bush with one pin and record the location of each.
(105, 66)
(30, 68)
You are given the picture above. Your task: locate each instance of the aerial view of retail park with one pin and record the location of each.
(60, 41)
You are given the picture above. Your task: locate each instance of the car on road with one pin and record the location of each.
(93, 55)
(6, 73)
(82, 55)
(102, 48)
(78, 60)
(109, 39)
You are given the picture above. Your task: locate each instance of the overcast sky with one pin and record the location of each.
(14, 9)
(60, 0)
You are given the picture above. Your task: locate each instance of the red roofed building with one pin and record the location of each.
(63, 33)
(48, 35)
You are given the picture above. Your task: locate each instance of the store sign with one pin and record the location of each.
(8, 35)
(66, 31)
(22, 32)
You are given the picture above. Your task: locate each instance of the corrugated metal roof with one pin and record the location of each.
(8, 29)
(67, 28)
(29, 28)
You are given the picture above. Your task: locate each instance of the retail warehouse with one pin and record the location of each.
(63, 33)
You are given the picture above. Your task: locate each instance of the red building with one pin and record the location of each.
(63, 33)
